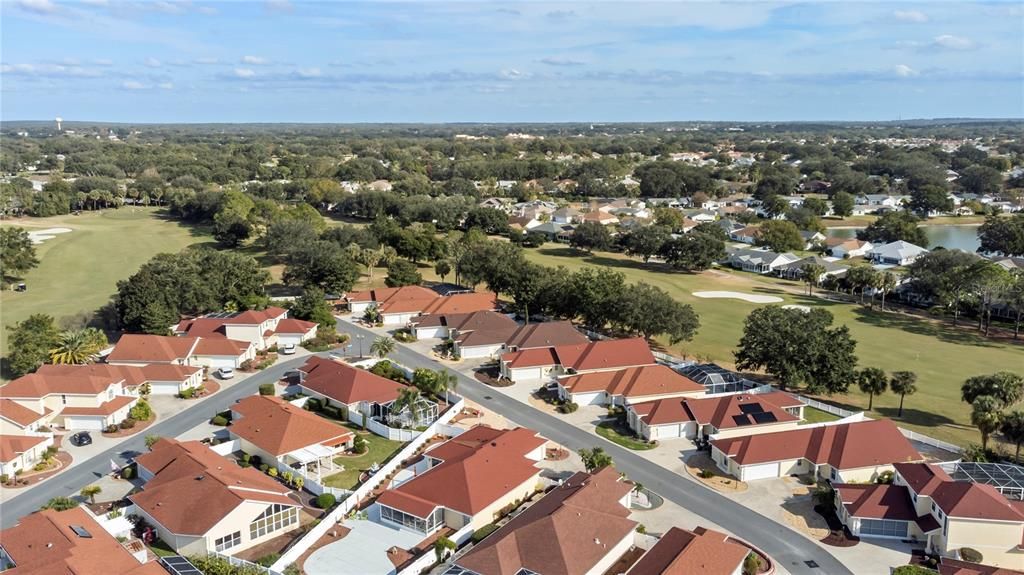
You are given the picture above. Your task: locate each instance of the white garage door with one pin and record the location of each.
(764, 471)
(84, 423)
(478, 351)
(431, 332)
(588, 398)
(218, 362)
(526, 374)
(163, 388)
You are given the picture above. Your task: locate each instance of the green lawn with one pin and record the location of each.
(613, 433)
(79, 270)
(380, 450)
(815, 415)
(942, 357)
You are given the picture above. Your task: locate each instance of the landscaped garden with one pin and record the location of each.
(378, 451)
(623, 436)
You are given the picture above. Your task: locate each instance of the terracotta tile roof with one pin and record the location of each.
(483, 327)
(291, 325)
(19, 414)
(546, 334)
(922, 477)
(221, 346)
(567, 532)
(194, 488)
(479, 467)
(11, 446)
(462, 303)
(396, 300)
(875, 501)
(949, 566)
(968, 500)
(722, 412)
(151, 348)
(256, 317)
(662, 411)
(843, 446)
(346, 384)
(595, 355)
(632, 382)
(105, 408)
(278, 427)
(202, 327)
(43, 543)
(36, 385)
(131, 374)
(681, 552)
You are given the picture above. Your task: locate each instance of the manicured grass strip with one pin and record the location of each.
(613, 433)
(815, 415)
(380, 450)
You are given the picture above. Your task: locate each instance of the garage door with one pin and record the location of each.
(84, 423)
(431, 332)
(163, 388)
(588, 398)
(526, 374)
(765, 471)
(218, 362)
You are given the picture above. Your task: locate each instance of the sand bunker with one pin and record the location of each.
(802, 308)
(41, 236)
(748, 297)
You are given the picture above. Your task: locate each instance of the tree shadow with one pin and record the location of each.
(919, 417)
(911, 324)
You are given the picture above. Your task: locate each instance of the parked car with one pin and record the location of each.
(81, 438)
(226, 372)
(288, 349)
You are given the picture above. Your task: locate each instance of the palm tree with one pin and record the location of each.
(382, 346)
(78, 346)
(986, 415)
(444, 381)
(903, 383)
(1012, 429)
(886, 283)
(812, 275)
(406, 398)
(370, 259)
(90, 491)
(872, 381)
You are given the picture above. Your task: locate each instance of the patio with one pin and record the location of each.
(363, 550)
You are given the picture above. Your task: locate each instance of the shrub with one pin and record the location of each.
(265, 364)
(246, 457)
(272, 472)
(5, 478)
(706, 473)
(273, 348)
(641, 529)
(246, 365)
(313, 404)
(483, 532)
(219, 420)
(256, 461)
(128, 423)
(244, 464)
(325, 500)
(188, 393)
(266, 389)
(972, 555)
(912, 570)
(151, 439)
(141, 411)
(752, 564)
(885, 478)
(332, 412)
(61, 504)
(359, 445)
(39, 466)
(404, 336)
(128, 473)
(268, 560)
(568, 407)
(111, 428)
(264, 467)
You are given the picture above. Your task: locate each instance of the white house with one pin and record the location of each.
(898, 253)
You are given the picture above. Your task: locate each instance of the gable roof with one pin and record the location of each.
(37, 385)
(44, 543)
(731, 411)
(131, 374)
(384, 296)
(877, 501)
(966, 500)
(478, 468)
(843, 446)
(462, 303)
(278, 427)
(11, 446)
(194, 488)
(567, 532)
(221, 346)
(922, 477)
(594, 355)
(949, 566)
(481, 327)
(632, 382)
(291, 325)
(19, 414)
(152, 348)
(898, 249)
(256, 317)
(681, 552)
(546, 334)
(346, 384)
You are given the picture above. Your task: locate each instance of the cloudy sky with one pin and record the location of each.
(294, 61)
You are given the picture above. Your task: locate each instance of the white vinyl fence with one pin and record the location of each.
(364, 490)
(427, 560)
(235, 561)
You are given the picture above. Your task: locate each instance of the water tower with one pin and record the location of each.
(59, 120)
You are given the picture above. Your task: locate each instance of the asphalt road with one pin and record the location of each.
(70, 482)
(787, 548)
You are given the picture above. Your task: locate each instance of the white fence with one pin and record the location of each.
(243, 563)
(427, 560)
(392, 433)
(364, 490)
(227, 448)
(825, 407)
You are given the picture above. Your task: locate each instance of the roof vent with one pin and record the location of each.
(200, 477)
(48, 545)
(597, 541)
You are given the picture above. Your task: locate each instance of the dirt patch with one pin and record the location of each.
(556, 454)
(211, 387)
(490, 376)
(543, 405)
(60, 462)
(718, 480)
(140, 426)
(798, 512)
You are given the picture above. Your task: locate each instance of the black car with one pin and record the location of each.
(81, 438)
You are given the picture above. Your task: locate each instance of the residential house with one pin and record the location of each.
(580, 527)
(898, 253)
(550, 362)
(729, 226)
(87, 402)
(467, 480)
(746, 235)
(701, 216)
(925, 503)
(680, 551)
(847, 247)
(503, 204)
(22, 452)
(566, 215)
(715, 378)
(547, 334)
(52, 542)
(759, 261)
(211, 352)
(380, 186)
(719, 417)
(487, 333)
(599, 217)
(811, 238)
(162, 378)
(199, 502)
(625, 386)
(276, 430)
(794, 271)
(398, 306)
(16, 419)
(949, 566)
(556, 232)
(841, 452)
(255, 326)
(523, 223)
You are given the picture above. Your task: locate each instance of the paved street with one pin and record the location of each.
(788, 548)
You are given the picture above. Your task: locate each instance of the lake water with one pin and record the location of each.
(950, 237)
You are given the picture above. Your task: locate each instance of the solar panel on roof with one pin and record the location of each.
(764, 417)
(178, 565)
(741, 420)
(751, 408)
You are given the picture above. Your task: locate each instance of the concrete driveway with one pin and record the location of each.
(364, 550)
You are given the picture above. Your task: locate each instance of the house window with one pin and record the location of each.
(63, 399)
(228, 541)
(274, 518)
(945, 528)
(835, 474)
(411, 521)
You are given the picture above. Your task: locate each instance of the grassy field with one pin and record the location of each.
(942, 357)
(380, 449)
(79, 270)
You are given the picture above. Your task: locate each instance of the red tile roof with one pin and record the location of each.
(949, 566)
(151, 348)
(132, 375)
(43, 543)
(346, 384)
(194, 488)
(105, 408)
(202, 327)
(843, 446)
(278, 427)
(632, 382)
(922, 477)
(875, 501)
(462, 303)
(19, 414)
(290, 325)
(567, 532)
(37, 385)
(403, 299)
(11, 446)
(221, 346)
(546, 334)
(682, 552)
(722, 412)
(591, 356)
(256, 317)
(479, 467)
(967, 500)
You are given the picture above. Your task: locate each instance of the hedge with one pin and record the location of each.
(266, 389)
(325, 500)
(484, 531)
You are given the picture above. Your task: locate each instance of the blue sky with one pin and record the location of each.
(292, 61)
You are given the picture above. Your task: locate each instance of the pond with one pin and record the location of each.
(948, 236)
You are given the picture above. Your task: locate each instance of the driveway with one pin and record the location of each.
(788, 548)
(364, 550)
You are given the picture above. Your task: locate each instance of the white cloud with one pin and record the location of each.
(38, 6)
(513, 74)
(254, 60)
(133, 85)
(152, 62)
(244, 73)
(165, 86)
(912, 16)
(103, 62)
(904, 71)
(206, 61)
(308, 73)
(561, 61)
(950, 42)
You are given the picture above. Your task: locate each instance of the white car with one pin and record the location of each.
(226, 372)
(288, 349)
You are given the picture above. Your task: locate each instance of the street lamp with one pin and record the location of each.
(360, 337)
